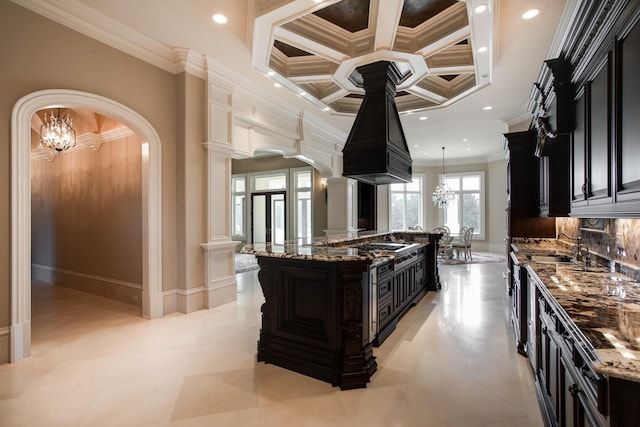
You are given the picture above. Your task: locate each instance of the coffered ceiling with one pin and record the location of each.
(314, 46)
(443, 47)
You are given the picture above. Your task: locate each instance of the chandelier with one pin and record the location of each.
(443, 193)
(57, 132)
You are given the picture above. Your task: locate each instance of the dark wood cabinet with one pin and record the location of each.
(590, 97)
(554, 124)
(315, 321)
(627, 125)
(591, 148)
(519, 307)
(571, 392)
(398, 290)
(522, 210)
(605, 143)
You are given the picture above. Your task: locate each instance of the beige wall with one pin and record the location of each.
(191, 175)
(87, 219)
(40, 54)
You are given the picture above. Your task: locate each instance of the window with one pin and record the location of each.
(302, 179)
(238, 210)
(405, 201)
(467, 207)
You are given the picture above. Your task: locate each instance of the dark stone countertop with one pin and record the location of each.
(338, 247)
(601, 302)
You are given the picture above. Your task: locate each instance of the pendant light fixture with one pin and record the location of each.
(57, 132)
(443, 194)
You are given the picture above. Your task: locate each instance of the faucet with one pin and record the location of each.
(583, 254)
(577, 239)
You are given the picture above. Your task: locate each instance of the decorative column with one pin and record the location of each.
(219, 250)
(220, 282)
(342, 202)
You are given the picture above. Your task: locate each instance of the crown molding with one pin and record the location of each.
(189, 61)
(88, 21)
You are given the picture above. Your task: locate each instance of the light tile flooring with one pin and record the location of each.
(96, 362)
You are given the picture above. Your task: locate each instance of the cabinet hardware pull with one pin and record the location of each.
(567, 337)
(574, 390)
(588, 374)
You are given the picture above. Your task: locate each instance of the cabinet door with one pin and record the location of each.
(628, 94)
(548, 373)
(578, 154)
(543, 188)
(568, 393)
(532, 324)
(598, 154)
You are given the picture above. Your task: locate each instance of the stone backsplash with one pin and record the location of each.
(616, 239)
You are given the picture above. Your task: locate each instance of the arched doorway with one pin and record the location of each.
(152, 302)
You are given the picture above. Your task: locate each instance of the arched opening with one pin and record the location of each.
(152, 302)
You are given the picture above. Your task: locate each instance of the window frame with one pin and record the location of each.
(421, 202)
(293, 194)
(234, 193)
(480, 235)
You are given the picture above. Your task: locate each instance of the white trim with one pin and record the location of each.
(109, 280)
(21, 204)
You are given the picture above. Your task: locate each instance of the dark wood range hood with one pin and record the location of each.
(376, 150)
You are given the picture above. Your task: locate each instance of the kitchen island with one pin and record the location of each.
(330, 301)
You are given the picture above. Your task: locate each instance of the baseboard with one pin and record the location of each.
(120, 290)
(4, 345)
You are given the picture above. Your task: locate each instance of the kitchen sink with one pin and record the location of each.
(550, 259)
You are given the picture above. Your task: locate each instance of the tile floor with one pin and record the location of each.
(96, 362)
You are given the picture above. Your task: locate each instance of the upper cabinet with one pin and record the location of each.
(591, 145)
(627, 125)
(586, 105)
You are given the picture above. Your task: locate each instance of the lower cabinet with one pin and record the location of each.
(571, 392)
(519, 307)
(399, 288)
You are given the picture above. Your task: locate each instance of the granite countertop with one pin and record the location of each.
(602, 303)
(337, 247)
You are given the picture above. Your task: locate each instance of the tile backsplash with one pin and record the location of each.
(613, 238)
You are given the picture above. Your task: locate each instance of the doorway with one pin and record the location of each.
(152, 297)
(268, 217)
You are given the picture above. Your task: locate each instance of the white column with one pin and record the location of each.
(220, 281)
(342, 204)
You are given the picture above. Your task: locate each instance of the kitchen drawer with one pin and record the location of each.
(385, 309)
(384, 287)
(384, 270)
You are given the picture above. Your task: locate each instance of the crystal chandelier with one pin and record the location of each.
(57, 132)
(443, 193)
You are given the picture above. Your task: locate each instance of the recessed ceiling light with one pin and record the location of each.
(416, 146)
(271, 73)
(531, 13)
(464, 139)
(219, 18)
(326, 108)
(318, 1)
(468, 149)
(409, 111)
(481, 8)
(423, 118)
(487, 108)
(426, 154)
(276, 84)
(483, 49)
(303, 93)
